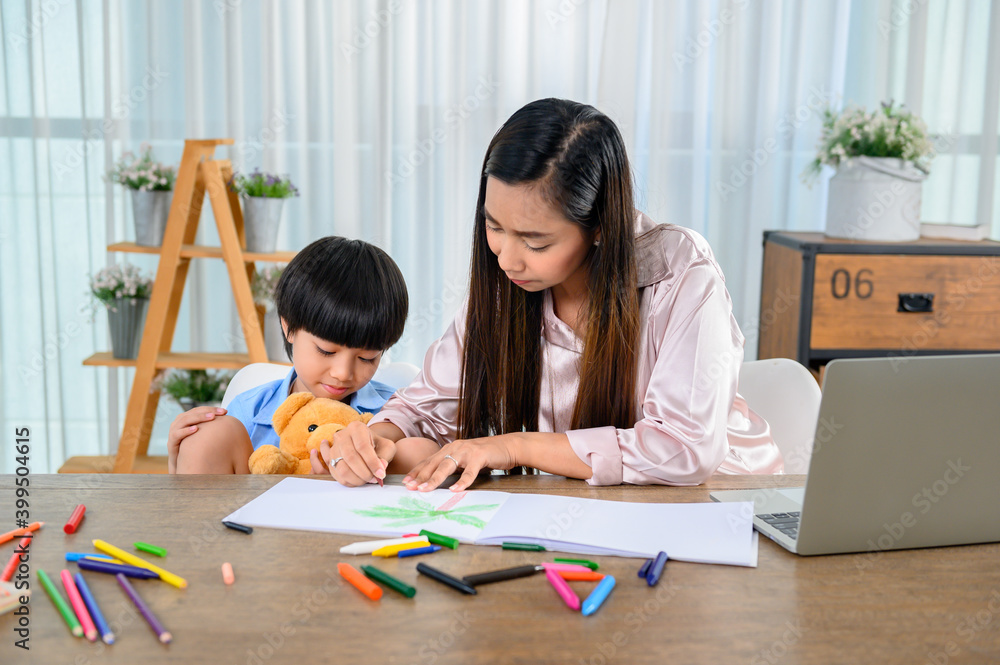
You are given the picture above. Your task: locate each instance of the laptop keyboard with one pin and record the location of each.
(786, 523)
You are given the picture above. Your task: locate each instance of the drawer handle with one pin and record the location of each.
(916, 302)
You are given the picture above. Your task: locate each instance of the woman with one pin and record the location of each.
(594, 344)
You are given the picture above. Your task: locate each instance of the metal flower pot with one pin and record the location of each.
(126, 319)
(261, 216)
(149, 212)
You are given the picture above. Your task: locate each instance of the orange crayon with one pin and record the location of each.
(359, 581)
(579, 576)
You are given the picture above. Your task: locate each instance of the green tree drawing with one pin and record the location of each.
(411, 511)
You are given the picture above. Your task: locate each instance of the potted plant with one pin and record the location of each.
(195, 387)
(263, 195)
(882, 158)
(151, 184)
(124, 291)
(264, 283)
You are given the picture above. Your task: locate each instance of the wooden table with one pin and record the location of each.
(290, 606)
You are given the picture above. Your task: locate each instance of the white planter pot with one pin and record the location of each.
(875, 198)
(261, 216)
(149, 213)
(274, 343)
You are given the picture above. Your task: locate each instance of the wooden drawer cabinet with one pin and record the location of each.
(824, 298)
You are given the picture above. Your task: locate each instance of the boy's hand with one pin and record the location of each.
(359, 455)
(185, 425)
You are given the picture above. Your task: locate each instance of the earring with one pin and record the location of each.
(597, 243)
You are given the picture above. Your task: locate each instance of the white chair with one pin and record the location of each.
(397, 375)
(785, 394)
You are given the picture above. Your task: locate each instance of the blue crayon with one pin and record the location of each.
(417, 551)
(76, 556)
(656, 569)
(645, 567)
(95, 611)
(597, 596)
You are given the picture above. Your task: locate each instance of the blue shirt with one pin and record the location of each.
(256, 406)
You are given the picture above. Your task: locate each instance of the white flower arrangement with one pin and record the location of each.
(886, 132)
(119, 281)
(142, 173)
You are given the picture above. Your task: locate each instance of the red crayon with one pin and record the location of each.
(15, 559)
(74, 520)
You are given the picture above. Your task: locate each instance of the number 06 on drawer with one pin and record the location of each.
(824, 298)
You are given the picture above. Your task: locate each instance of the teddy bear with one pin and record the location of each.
(302, 422)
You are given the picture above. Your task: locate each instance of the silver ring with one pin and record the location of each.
(333, 463)
(453, 460)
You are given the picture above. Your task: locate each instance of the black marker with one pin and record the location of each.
(445, 578)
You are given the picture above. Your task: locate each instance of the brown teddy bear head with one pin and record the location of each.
(304, 420)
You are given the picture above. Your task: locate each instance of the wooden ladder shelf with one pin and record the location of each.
(198, 173)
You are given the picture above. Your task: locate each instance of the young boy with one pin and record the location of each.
(341, 303)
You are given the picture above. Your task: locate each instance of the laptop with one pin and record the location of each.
(906, 455)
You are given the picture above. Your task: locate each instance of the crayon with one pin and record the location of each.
(445, 578)
(116, 568)
(417, 551)
(76, 601)
(527, 547)
(95, 611)
(438, 539)
(238, 527)
(132, 559)
(154, 623)
(359, 581)
(60, 603)
(596, 598)
(151, 549)
(227, 573)
(73, 523)
(20, 533)
(390, 581)
(559, 584)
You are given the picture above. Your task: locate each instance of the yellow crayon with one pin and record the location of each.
(133, 560)
(392, 550)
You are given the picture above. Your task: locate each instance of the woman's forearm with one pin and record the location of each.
(550, 452)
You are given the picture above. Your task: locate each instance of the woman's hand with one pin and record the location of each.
(360, 456)
(184, 426)
(472, 455)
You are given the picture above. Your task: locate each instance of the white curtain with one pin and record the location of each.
(381, 111)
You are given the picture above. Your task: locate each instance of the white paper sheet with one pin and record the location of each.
(698, 532)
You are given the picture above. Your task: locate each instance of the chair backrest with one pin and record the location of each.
(397, 374)
(785, 394)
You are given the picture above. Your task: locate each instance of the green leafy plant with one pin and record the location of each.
(266, 185)
(122, 280)
(142, 173)
(264, 283)
(411, 511)
(197, 386)
(886, 132)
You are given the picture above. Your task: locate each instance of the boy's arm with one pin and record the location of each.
(409, 451)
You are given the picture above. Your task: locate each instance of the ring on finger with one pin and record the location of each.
(457, 465)
(332, 463)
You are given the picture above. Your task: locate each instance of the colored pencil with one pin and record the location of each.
(151, 549)
(95, 611)
(154, 623)
(132, 559)
(73, 523)
(76, 556)
(15, 559)
(61, 605)
(19, 533)
(76, 601)
(116, 568)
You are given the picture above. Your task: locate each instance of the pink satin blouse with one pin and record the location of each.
(690, 420)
